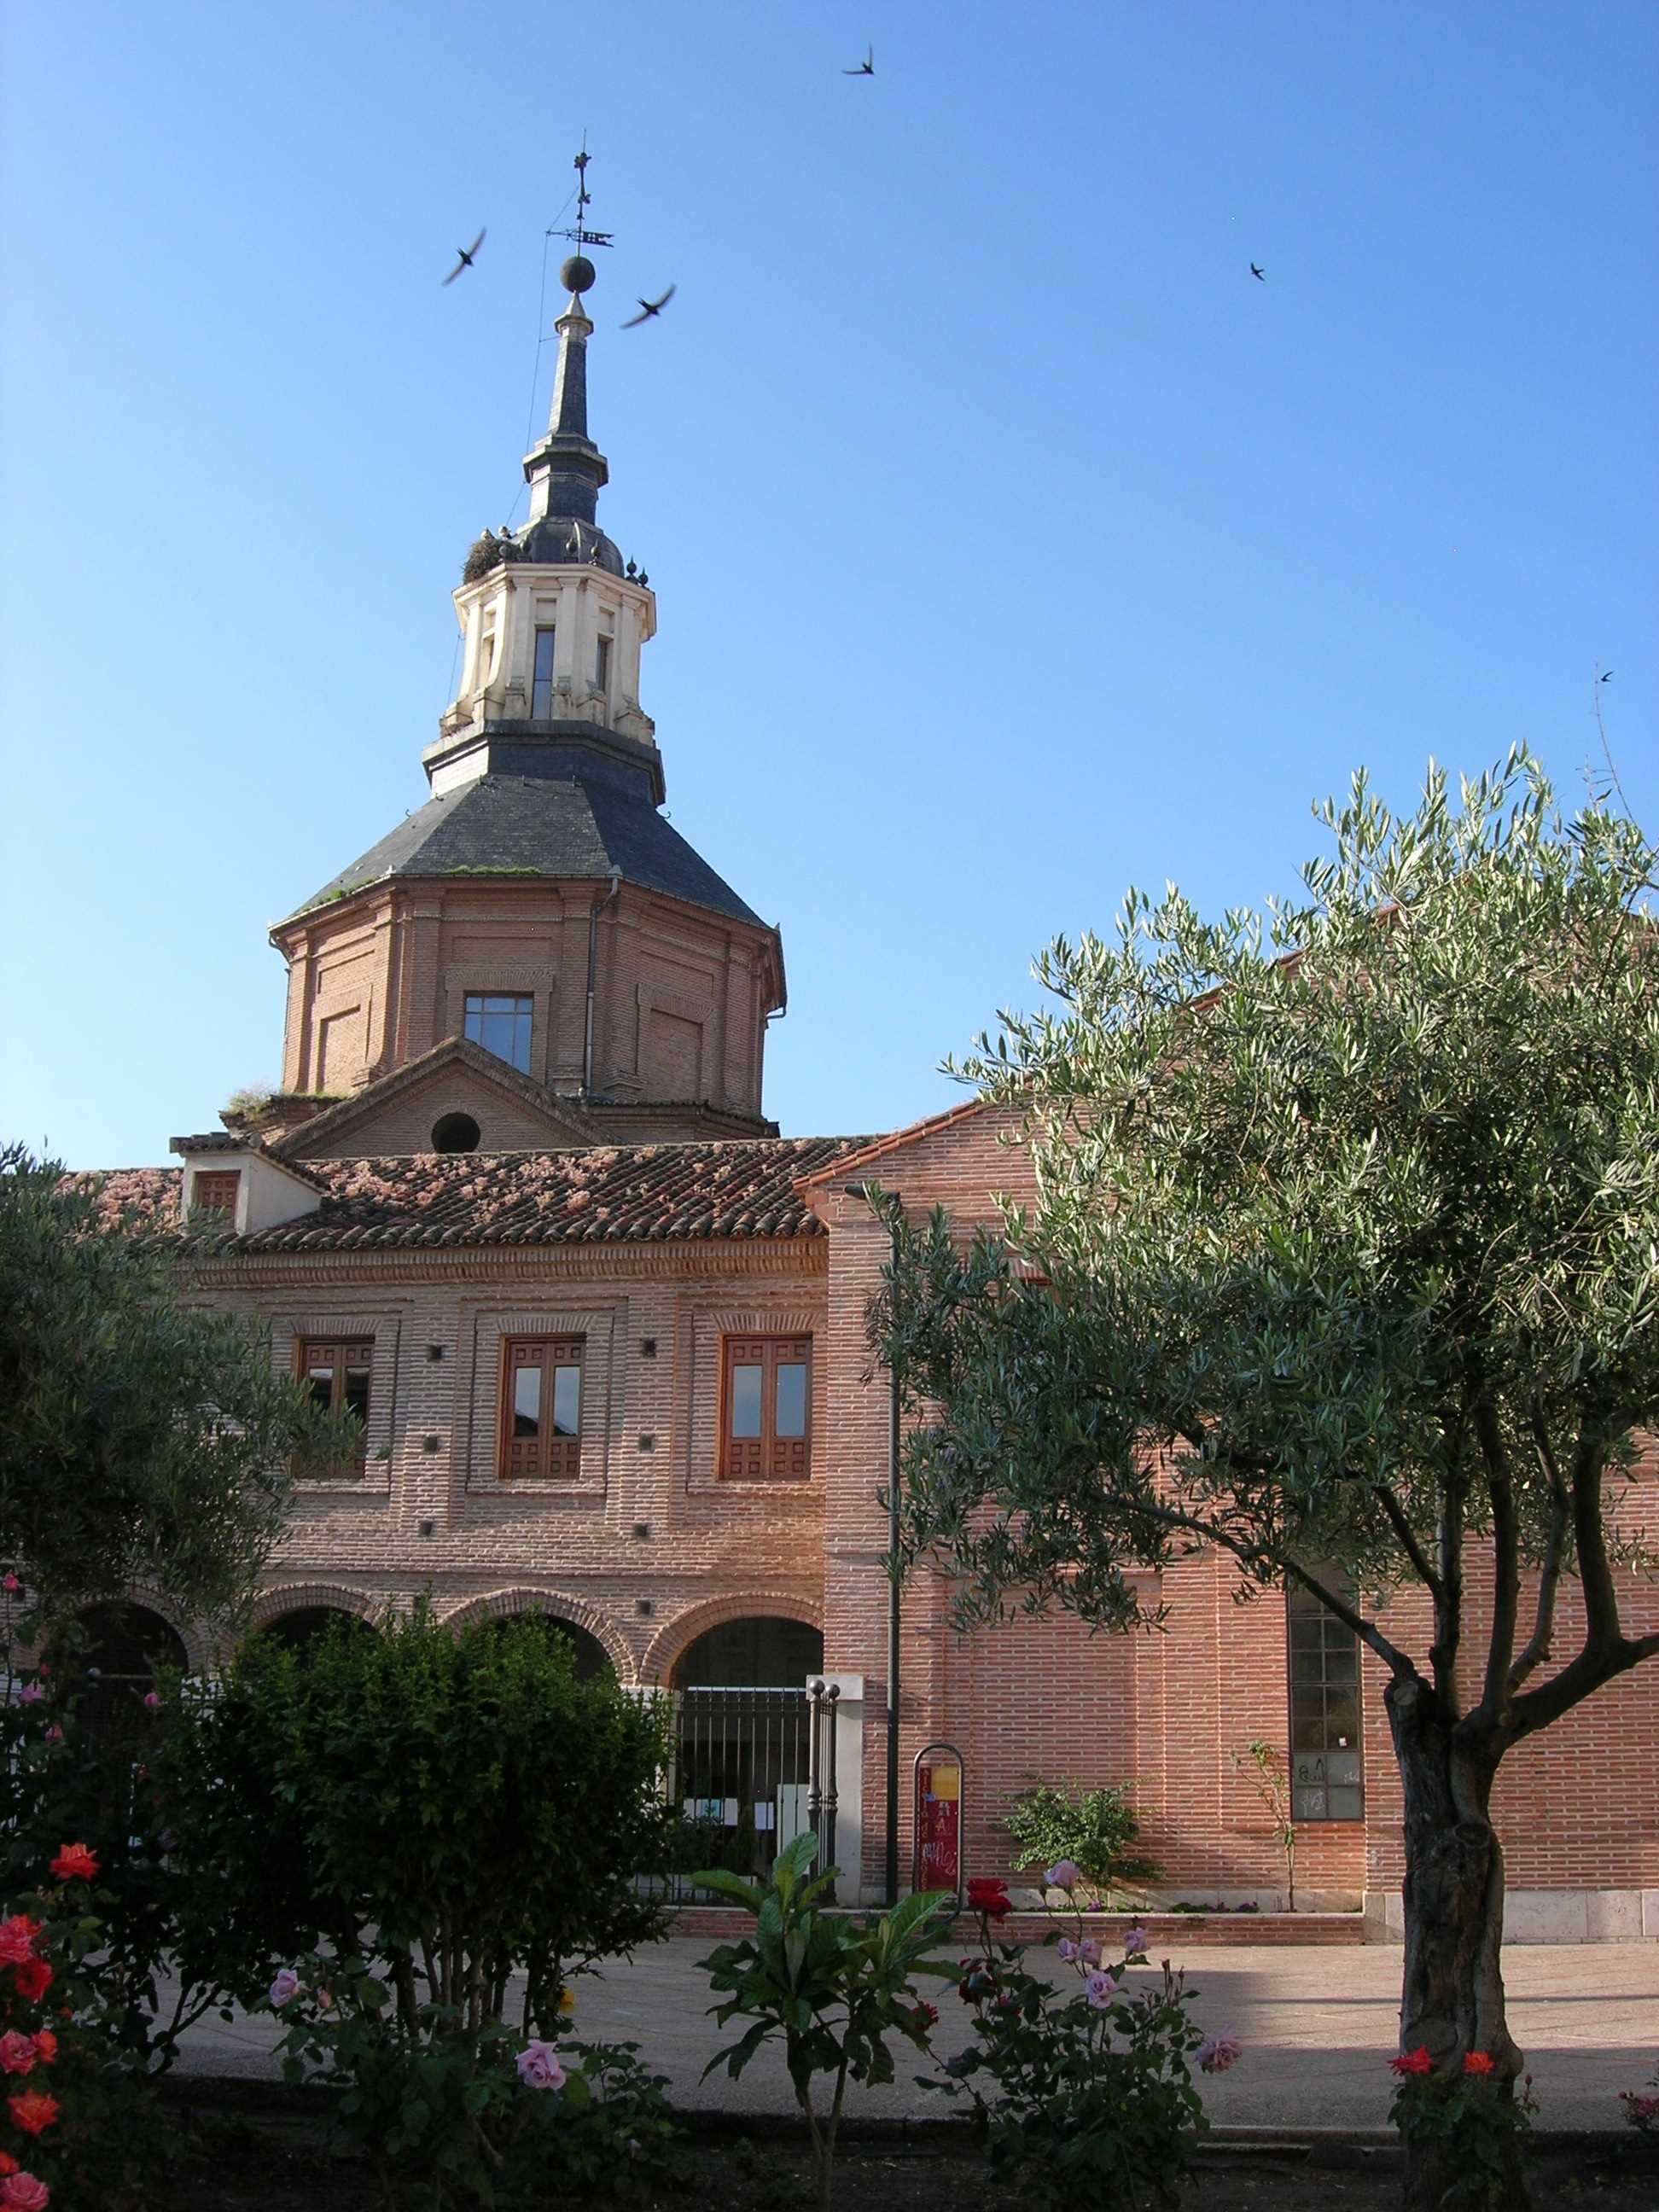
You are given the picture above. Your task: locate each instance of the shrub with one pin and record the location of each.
(446, 1809)
(1097, 1829)
(474, 2112)
(1094, 2099)
(833, 1988)
(1642, 2111)
(1469, 2119)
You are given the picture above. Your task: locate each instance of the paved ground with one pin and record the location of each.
(1318, 2028)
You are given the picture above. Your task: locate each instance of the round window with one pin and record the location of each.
(455, 1132)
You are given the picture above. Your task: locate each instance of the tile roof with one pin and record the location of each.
(541, 826)
(605, 1194)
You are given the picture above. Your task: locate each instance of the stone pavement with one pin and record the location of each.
(1318, 2028)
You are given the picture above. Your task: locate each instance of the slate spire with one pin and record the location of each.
(566, 471)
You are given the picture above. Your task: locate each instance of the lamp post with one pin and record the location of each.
(863, 1191)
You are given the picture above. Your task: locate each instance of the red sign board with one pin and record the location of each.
(937, 1863)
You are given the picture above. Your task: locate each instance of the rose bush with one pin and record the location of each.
(1471, 2116)
(1093, 2097)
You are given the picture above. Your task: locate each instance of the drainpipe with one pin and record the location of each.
(594, 912)
(862, 1190)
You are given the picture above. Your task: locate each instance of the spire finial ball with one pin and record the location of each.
(578, 273)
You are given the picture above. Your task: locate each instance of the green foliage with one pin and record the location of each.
(438, 2103)
(105, 2144)
(1095, 1828)
(1265, 1764)
(833, 1987)
(1093, 2100)
(1471, 2126)
(177, 1908)
(453, 1805)
(142, 1439)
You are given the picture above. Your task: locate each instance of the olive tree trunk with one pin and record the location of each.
(1452, 1996)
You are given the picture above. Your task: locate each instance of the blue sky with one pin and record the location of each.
(1011, 543)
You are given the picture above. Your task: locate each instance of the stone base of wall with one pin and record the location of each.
(1544, 1916)
(718, 1923)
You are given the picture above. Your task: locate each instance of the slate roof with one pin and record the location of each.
(605, 1194)
(544, 826)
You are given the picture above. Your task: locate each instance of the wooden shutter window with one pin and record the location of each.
(766, 1408)
(336, 1373)
(216, 1192)
(541, 1416)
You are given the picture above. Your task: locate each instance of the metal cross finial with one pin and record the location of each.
(580, 235)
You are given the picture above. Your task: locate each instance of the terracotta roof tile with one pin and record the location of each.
(607, 1193)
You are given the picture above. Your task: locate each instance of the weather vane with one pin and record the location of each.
(580, 235)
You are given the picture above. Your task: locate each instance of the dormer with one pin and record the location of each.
(233, 1184)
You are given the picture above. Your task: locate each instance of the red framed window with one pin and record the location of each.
(766, 1407)
(217, 1192)
(336, 1374)
(541, 1422)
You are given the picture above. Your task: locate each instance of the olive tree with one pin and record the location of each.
(1347, 1216)
(143, 1439)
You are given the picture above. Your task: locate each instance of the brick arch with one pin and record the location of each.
(335, 1597)
(196, 1636)
(559, 1606)
(667, 1646)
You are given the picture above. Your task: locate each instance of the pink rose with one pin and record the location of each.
(1089, 1951)
(1218, 2052)
(30, 1694)
(11, 1585)
(152, 1701)
(54, 1734)
(1134, 1943)
(539, 2066)
(1068, 1950)
(21, 2192)
(17, 1937)
(285, 1988)
(1099, 1989)
(17, 2052)
(1064, 1873)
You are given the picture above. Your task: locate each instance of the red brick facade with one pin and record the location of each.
(646, 1546)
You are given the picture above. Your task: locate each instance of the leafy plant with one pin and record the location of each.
(440, 1809)
(1094, 2101)
(1271, 1777)
(474, 2112)
(1096, 1829)
(1472, 2119)
(1643, 2111)
(833, 1987)
(1345, 1222)
(143, 1439)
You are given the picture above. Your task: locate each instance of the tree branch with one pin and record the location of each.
(1255, 1555)
(1506, 1560)
(1407, 1535)
(1448, 1596)
(1543, 1628)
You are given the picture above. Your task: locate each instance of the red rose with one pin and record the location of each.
(1477, 2062)
(34, 1979)
(989, 1893)
(7, 2163)
(1413, 2062)
(74, 1863)
(46, 2046)
(17, 1937)
(35, 2111)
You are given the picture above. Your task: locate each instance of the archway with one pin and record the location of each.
(760, 1651)
(303, 1629)
(114, 1664)
(592, 1662)
(743, 1754)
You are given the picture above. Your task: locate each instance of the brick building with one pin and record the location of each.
(518, 1205)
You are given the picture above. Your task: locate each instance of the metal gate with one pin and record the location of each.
(745, 1781)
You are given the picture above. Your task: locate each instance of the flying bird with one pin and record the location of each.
(1260, 275)
(466, 253)
(1602, 679)
(649, 308)
(866, 66)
